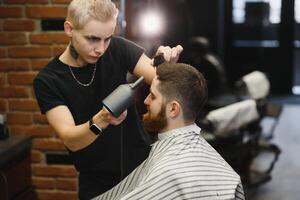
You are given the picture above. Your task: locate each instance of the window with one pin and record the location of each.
(239, 10)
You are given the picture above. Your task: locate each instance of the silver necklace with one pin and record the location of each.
(84, 84)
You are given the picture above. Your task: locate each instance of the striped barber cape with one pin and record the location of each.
(181, 165)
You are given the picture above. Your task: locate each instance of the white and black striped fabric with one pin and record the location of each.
(181, 165)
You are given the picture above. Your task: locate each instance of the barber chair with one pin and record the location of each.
(232, 118)
(196, 52)
(236, 133)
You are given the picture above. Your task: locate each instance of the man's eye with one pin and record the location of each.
(152, 96)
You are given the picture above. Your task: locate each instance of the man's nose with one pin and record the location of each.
(146, 101)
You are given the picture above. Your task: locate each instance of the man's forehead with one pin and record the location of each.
(154, 82)
(154, 85)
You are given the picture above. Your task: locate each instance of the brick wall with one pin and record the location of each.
(24, 49)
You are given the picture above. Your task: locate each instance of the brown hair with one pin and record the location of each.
(80, 11)
(183, 83)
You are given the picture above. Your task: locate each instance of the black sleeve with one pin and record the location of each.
(46, 94)
(129, 52)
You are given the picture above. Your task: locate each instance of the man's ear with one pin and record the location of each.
(174, 109)
(68, 27)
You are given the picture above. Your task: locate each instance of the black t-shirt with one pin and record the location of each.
(113, 155)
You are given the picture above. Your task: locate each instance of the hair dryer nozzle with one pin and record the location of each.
(137, 82)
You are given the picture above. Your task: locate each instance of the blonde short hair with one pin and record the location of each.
(80, 11)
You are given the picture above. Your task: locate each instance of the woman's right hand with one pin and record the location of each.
(104, 118)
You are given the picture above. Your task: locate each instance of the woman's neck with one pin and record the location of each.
(68, 59)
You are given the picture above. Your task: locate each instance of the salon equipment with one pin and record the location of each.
(15, 168)
(158, 59)
(255, 85)
(232, 119)
(122, 97)
(235, 130)
(228, 119)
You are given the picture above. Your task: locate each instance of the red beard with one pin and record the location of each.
(155, 124)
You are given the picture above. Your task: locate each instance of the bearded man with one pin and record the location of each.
(181, 164)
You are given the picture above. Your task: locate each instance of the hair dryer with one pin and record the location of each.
(122, 97)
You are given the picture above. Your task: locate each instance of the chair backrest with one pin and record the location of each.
(228, 119)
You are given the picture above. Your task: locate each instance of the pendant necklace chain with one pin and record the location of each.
(84, 84)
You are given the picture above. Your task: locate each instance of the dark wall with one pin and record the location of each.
(204, 20)
(275, 60)
(213, 19)
(184, 19)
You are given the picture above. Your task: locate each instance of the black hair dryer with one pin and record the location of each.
(122, 97)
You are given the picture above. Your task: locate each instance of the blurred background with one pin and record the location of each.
(224, 39)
